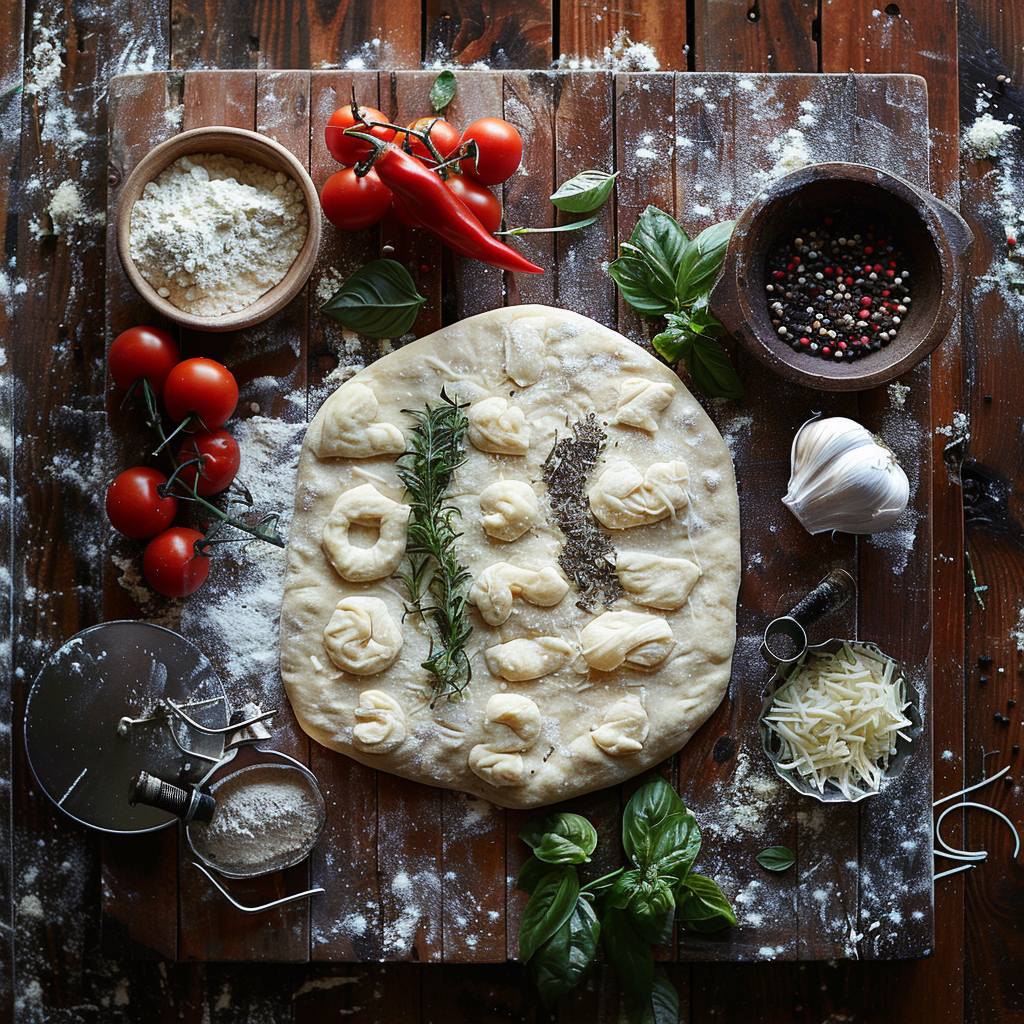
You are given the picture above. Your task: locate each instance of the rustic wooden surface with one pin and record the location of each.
(66, 959)
(857, 868)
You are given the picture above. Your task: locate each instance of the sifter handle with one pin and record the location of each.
(831, 594)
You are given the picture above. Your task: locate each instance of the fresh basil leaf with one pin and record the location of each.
(379, 300)
(776, 858)
(651, 909)
(711, 370)
(654, 801)
(701, 906)
(675, 843)
(442, 92)
(549, 908)
(530, 874)
(636, 280)
(560, 838)
(562, 962)
(624, 889)
(701, 261)
(574, 225)
(629, 955)
(701, 319)
(662, 240)
(586, 192)
(672, 345)
(664, 998)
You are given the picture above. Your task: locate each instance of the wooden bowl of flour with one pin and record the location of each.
(188, 259)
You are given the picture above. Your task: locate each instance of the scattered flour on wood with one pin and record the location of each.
(622, 55)
(984, 138)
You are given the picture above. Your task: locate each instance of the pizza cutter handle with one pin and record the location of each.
(785, 639)
(835, 591)
(186, 802)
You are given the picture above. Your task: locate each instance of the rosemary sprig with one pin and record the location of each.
(436, 579)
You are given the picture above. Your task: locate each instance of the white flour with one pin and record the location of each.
(212, 233)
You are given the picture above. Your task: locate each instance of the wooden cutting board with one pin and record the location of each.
(417, 873)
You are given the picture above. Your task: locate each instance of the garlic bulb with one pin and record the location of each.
(844, 479)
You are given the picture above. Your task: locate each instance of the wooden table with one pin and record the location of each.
(69, 948)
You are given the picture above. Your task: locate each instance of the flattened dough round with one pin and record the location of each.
(557, 367)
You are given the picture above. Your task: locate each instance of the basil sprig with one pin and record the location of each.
(624, 914)
(585, 192)
(662, 272)
(379, 300)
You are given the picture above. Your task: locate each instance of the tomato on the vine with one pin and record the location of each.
(220, 458)
(482, 202)
(172, 565)
(201, 388)
(147, 352)
(444, 135)
(351, 202)
(344, 148)
(134, 506)
(500, 150)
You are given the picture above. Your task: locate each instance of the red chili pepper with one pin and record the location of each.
(433, 204)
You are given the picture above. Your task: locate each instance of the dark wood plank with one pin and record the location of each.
(759, 35)
(992, 344)
(530, 106)
(605, 36)
(498, 34)
(12, 34)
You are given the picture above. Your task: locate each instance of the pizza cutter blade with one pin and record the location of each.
(99, 713)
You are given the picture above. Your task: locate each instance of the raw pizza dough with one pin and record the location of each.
(562, 700)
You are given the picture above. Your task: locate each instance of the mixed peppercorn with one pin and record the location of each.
(838, 294)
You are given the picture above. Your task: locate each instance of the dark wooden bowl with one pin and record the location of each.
(934, 238)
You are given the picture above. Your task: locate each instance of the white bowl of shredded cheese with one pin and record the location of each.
(840, 722)
(218, 228)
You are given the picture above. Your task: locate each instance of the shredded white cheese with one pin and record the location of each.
(838, 718)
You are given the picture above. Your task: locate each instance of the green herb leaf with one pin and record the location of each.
(632, 958)
(379, 300)
(571, 226)
(442, 92)
(675, 843)
(661, 238)
(701, 319)
(701, 906)
(711, 370)
(701, 261)
(654, 801)
(651, 908)
(560, 838)
(626, 886)
(561, 963)
(673, 345)
(664, 998)
(586, 192)
(550, 906)
(640, 285)
(530, 874)
(776, 858)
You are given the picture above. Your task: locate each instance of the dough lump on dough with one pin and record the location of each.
(366, 506)
(624, 497)
(350, 428)
(638, 638)
(499, 584)
(362, 637)
(498, 427)
(509, 508)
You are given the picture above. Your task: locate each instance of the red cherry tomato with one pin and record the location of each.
(134, 507)
(147, 352)
(171, 565)
(443, 135)
(201, 388)
(220, 459)
(501, 150)
(345, 149)
(481, 201)
(353, 203)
